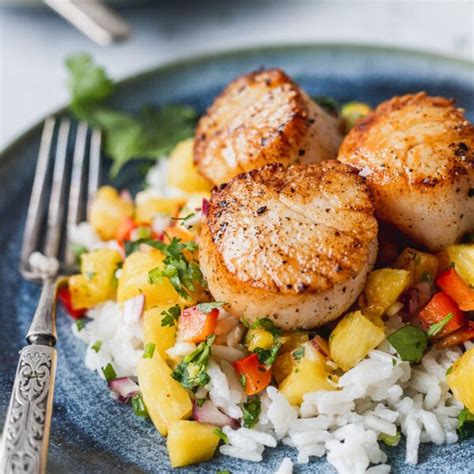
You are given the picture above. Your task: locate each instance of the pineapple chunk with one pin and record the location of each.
(283, 366)
(352, 112)
(309, 374)
(382, 289)
(258, 337)
(190, 442)
(166, 400)
(163, 337)
(108, 210)
(148, 206)
(182, 172)
(419, 264)
(352, 339)
(292, 340)
(134, 280)
(97, 282)
(461, 379)
(462, 256)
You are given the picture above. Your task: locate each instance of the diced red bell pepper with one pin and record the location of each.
(437, 309)
(257, 376)
(452, 284)
(466, 333)
(64, 295)
(195, 325)
(124, 229)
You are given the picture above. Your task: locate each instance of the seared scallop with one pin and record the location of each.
(293, 244)
(262, 117)
(417, 154)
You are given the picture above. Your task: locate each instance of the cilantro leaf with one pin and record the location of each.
(96, 346)
(465, 422)
(267, 324)
(80, 324)
(208, 307)
(436, 328)
(390, 440)
(298, 353)
(251, 409)
(170, 315)
(410, 343)
(221, 435)
(331, 105)
(268, 356)
(191, 372)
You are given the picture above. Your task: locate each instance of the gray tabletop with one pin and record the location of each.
(34, 42)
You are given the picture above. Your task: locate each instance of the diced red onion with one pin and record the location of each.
(124, 387)
(209, 413)
(133, 309)
(125, 195)
(205, 207)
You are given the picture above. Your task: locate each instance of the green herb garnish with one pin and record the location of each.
(152, 134)
(200, 401)
(267, 324)
(328, 103)
(221, 435)
(138, 406)
(109, 372)
(208, 307)
(390, 440)
(436, 328)
(410, 343)
(191, 372)
(191, 214)
(243, 380)
(181, 274)
(450, 369)
(80, 324)
(465, 422)
(251, 409)
(78, 250)
(268, 356)
(170, 315)
(298, 353)
(96, 346)
(149, 350)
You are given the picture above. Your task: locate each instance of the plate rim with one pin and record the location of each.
(197, 58)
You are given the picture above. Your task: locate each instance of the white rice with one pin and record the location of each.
(40, 263)
(286, 467)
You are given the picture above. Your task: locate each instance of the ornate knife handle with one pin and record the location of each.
(27, 426)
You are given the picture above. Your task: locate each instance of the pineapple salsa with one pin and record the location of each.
(146, 259)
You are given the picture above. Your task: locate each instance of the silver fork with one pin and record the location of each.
(57, 200)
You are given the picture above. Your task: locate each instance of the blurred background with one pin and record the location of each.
(35, 39)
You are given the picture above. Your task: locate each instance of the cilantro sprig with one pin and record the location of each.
(170, 315)
(410, 342)
(465, 422)
(251, 411)
(151, 134)
(436, 328)
(191, 373)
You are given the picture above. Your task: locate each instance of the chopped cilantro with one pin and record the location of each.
(96, 346)
(181, 274)
(191, 372)
(243, 380)
(149, 350)
(436, 328)
(208, 307)
(170, 315)
(78, 250)
(465, 422)
(450, 369)
(298, 353)
(410, 342)
(138, 406)
(267, 324)
(268, 356)
(251, 409)
(390, 440)
(109, 372)
(200, 401)
(328, 103)
(221, 435)
(80, 324)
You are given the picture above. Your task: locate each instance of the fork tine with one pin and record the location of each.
(94, 166)
(56, 200)
(74, 211)
(37, 200)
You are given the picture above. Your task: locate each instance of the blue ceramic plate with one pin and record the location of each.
(91, 432)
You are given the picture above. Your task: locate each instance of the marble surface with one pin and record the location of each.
(34, 42)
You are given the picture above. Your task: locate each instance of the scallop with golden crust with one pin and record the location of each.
(417, 153)
(293, 244)
(260, 118)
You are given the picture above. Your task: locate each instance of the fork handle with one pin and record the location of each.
(27, 426)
